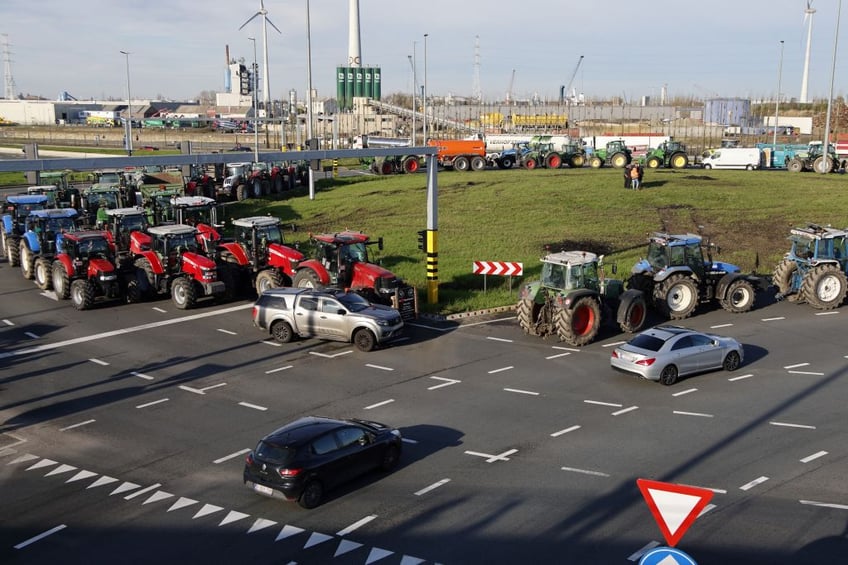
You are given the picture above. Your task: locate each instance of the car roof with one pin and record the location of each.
(667, 332)
(304, 430)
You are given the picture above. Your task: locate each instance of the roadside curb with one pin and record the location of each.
(464, 315)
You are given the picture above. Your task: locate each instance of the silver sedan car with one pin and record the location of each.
(665, 353)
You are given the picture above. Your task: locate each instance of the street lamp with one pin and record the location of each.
(777, 104)
(255, 105)
(309, 97)
(414, 88)
(424, 102)
(826, 153)
(129, 144)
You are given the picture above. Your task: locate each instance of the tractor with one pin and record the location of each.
(341, 260)
(97, 199)
(15, 212)
(678, 278)
(573, 297)
(43, 240)
(813, 271)
(85, 270)
(122, 226)
(251, 180)
(670, 154)
(616, 153)
(814, 160)
(167, 260)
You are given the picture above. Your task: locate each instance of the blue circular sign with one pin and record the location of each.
(666, 556)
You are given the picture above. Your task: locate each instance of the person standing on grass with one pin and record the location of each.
(627, 182)
(634, 177)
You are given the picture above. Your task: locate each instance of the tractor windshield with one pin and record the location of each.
(182, 242)
(59, 225)
(94, 247)
(135, 222)
(23, 210)
(656, 255)
(269, 234)
(803, 248)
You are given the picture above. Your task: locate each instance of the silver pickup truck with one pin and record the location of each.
(287, 313)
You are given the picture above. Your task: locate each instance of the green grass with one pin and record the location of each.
(512, 215)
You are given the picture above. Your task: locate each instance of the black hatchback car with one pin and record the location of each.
(309, 456)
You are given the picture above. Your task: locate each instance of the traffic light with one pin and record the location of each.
(422, 240)
(314, 164)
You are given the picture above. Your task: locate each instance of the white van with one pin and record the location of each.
(734, 158)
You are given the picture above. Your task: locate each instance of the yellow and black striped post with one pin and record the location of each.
(335, 168)
(432, 250)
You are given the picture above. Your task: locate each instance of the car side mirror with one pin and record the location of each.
(341, 312)
(364, 440)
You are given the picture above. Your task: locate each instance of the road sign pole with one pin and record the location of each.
(432, 231)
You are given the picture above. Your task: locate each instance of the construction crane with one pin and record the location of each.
(509, 90)
(563, 90)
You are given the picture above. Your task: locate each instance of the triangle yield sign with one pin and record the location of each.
(674, 507)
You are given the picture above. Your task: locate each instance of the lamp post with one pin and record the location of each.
(414, 88)
(826, 145)
(309, 97)
(255, 105)
(424, 103)
(129, 144)
(777, 103)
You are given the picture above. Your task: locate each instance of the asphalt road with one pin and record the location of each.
(125, 430)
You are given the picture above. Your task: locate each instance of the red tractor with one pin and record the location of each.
(341, 260)
(84, 270)
(167, 260)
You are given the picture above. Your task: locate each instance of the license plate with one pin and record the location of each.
(263, 490)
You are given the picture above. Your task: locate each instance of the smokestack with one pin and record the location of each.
(354, 42)
(228, 87)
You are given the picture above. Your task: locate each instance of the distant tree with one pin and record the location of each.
(206, 97)
(401, 99)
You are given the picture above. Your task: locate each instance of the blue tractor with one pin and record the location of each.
(813, 271)
(42, 240)
(678, 277)
(15, 212)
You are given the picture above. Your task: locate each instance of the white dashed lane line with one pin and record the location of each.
(446, 382)
(773, 319)
(788, 425)
(160, 310)
(824, 504)
(356, 525)
(378, 367)
(434, 486)
(8, 322)
(565, 431)
(813, 457)
(502, 369)
(73, 426)
(831, 313)
(228, 332)
(499, 339)
(278, 369)
(141, 376)
(99, 362)
(752, 484)
(625, 410)
(796, 365)
(253, 406)
(155, 402)
(558, 355)
(717, 326)
(383, 403)
(231, 456)
(585, 472)
(31, 335)
(740, 377)
(519, 391)
(681, 413)
(599, 403)
(687, 391)
(41, 536)
(492, 458)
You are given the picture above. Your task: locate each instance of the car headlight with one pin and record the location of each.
(382, 322)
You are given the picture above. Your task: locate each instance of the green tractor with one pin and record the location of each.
(670, 154)
(573, 297)
(814, 159)
(616, 153)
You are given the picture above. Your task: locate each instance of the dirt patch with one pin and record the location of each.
(590, 245)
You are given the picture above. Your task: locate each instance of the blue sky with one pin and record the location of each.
(720, 47)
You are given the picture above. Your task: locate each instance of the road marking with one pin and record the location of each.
(692, 414)
(141, 376)
(613, 344)
(272, 342)
(740, 377)
(499, 339)
(599, 403)
(813, 457)
(160, 310)
(40, 536)
(483, 323)
(805, 373)
(558, 355)
(773, 319)
(717, 326)
(492, 458)
(687, 391)
(585, 472)
(254, 406)
(333, 356)
(715, 490)
(72, 426)
(572, 349)
(649, 546)
(407, 440)
(796, 366)
(565, 431)
(519, 391)
(231, 456)
(228, 332)
(8, 322)
(356, 525)
(493, 371)
(383, 403)
(625, 410)
(124, 331)
(379, 367)
(210, 387)
(190, 389)
(832, 312)
(160, 401)
(99, 362)
(447, 382)
(753, 483)
(706, 509)
(32, 335)
(278, 369)
(434, 486)
(824, 504)
(142, 491)
(787, 425)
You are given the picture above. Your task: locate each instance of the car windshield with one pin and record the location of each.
(353, 301)
(276, 454)
(646, 341)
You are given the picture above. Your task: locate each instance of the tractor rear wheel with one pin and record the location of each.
(13, 252)
(823, 164)
(183, 293)
(269, 278)
(307, 278)
(795, 166)
(596, 162)
(386, 167)
(740, 297)
(676, 297)
(460, 163)
(634, 315)
(782, 278)
(241, 192)
(527, 313)
(678, 161)
(579, 324)
(410, 165)
(82, 294)
(653, 163)
(825, 287)
(553, 161)
(478, 163)
(42, 274)
(61, 281)
(619, 160)
(27, 262)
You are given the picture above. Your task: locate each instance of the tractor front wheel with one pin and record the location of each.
(27, 262)
(530, 163)
(795, 166)
(825, 287)
(82, 294)
(634, 315)
(553, 161)
(410, 165)
(528, 312)
(619, 160)
(579, 324)
(653, 163)
(596, 162)
(740, 297)
(577, 161)
(783, 277)
(676, 297)
(183, 293)
(506, 162)
(679, 161)
(42, 274)
(13, 252)
(61, 281)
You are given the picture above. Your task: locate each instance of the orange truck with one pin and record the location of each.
(460, 154)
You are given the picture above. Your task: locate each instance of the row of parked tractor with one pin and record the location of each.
(573, 296)
(130, 254)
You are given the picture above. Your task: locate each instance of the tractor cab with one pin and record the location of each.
(257, 235)
(171, 242)
(45, 229)
(124, 224)
(200, 212)
(570, 270)
(674, 251)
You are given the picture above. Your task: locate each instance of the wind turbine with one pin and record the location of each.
(808, 18)
(266, 89)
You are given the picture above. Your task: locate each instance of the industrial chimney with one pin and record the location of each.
(354, 42)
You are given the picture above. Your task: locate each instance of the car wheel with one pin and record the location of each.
(311, 496)
(364, 339)
(732, 361)
(669, 375)
(282, 331)
(391, 458)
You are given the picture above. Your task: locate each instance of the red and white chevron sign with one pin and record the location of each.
(504, 268)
